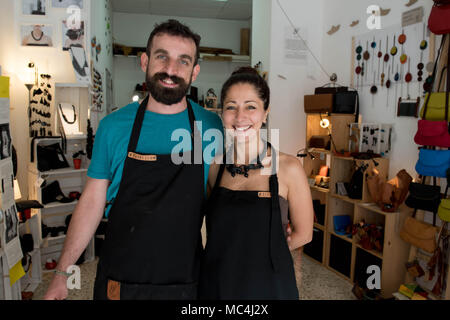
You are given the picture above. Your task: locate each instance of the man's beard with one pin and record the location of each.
(167, 96)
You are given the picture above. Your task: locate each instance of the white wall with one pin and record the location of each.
(134, 30)
(337, 58)
(290, 82)
(260, 39)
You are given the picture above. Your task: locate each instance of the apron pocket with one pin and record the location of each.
(130, 291)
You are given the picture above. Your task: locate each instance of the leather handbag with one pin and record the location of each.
(318, 103)
(423, 197)
(50, 157)
(420, 234)
(333, 90)
(394, 191)
(444, 210)
(346, 102)
(439, 19)
(433, 163)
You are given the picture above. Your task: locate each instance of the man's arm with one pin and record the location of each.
(85, 220)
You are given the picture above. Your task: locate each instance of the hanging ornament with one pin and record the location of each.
(408, 78)
(366, 55)
(393, 53)
(379, 55)
(397, 75)
(373, 89)
(423, 45)
(385, 61)
(373, 45)
(388, 82)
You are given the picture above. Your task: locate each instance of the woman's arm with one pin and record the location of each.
(300, 203)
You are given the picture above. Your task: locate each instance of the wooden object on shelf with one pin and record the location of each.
(215, 50)
(217, 58)
(245, 41)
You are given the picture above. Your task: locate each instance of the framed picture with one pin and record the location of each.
(67, 3)
(11, 223)
(34, 7)
(72, 36)
(5, 141)
(38, 35)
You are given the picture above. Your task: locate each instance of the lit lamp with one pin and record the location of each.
(324, 123)
(32, 80)
(17, 194)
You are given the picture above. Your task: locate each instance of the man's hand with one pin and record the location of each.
(57, 289)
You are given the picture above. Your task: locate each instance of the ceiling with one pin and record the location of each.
(212, 9)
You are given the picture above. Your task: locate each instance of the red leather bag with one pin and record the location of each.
(435, 133)
(439, 19)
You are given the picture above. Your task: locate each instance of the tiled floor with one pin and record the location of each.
(315, 282)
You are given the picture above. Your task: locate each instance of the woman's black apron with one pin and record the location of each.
(246, 254)
(153, 246)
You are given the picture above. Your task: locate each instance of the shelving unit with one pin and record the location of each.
(340, 253)
(54, 214)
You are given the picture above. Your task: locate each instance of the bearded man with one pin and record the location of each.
(153, 241)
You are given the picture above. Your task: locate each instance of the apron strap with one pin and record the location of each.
(137, 126)
(275, 217)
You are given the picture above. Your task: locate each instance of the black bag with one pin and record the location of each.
(346, 102)
(321, 142)
(53, 193)
(50, 157)
(423, 197)
(355, 187)
(325, 90)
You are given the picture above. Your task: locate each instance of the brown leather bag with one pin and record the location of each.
(420, 234)
(318, 103)
(394, 191)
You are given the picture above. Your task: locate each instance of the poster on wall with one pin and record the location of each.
(10, 223)
(5, 141)
(295, 49)
(36, 35)
(67, 3)
(34, 7)
(80, 65)
(72, 36)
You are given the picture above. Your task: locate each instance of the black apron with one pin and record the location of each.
(246, 255)
(153, 244)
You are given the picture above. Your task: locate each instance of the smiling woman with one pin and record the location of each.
(256, 193)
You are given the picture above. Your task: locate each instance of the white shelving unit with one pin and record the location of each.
(54, 214)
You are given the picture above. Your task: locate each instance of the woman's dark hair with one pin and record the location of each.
(251, 76)
(175, 28)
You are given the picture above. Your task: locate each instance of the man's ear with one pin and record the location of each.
(144, 62)
(195, 72)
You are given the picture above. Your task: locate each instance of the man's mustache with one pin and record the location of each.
(163, 76)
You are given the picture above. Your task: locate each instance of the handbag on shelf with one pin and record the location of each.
(394, 191)
(438, 21)
(423, 197)
(420, 234)
(50, 157)
(326, 89)
(444, 207)
(318, 103)
(433, 163)
(346, 102)
(355, 187)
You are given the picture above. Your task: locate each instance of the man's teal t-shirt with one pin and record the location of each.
(114, 131)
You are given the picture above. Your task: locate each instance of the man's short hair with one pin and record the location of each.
(175, 28)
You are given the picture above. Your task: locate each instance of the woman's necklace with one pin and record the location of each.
(245, 168)
(32, 35)
(64, 116)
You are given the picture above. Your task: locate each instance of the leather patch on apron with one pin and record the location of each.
(113, 290)
(264, 195)
(141, 157)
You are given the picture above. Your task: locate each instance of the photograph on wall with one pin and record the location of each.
(67, 3)
(72, 36)
(34, 7)
(5, 141)
(80, 64)
(38, 35)
(11, 222)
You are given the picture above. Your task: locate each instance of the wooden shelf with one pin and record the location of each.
(373, 252)
(316, 188)
(319, 150)
(342, 237)
(224, 57)
(345, 198)
(373, 207)
(63, 171)
(319, 226)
